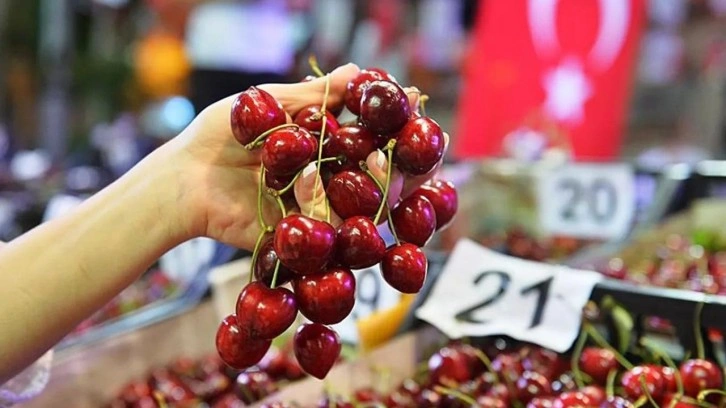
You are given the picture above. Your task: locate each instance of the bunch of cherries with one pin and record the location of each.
(315, 257)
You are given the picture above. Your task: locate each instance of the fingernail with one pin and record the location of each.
(380, 159)
(308, 172)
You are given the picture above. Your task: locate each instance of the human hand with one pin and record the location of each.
(218, 178)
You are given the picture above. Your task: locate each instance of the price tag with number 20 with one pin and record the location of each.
(482, 293)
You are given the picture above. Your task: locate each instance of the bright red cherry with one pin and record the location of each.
(449, 364)
(597, 362)
(358, 244)
(532, 384)
(288, 150)
(595, 392)
(265, 313)
(419, 146)
(311, 119)
(617, 402)
(236, 348)
(404, 267)
(572, 399)
(316, 348)
(303, 244)
(326, 298)
(354, 89)
(632, 384)
(669, 377)
(354, 143)
(265, 266)
(443, 196)
(384, 108)
(255, 111)
(698, 375)
(352, 193)
(541, 402)
(414, 220)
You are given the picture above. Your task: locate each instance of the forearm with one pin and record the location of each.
(61, 272)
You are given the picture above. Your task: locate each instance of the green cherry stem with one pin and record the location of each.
(256, 251)
(320, 144)
(274, 274)
(299, 173)
(261, 138)
(260, 187)
(705, 393)
(313, 61)
(575, 359)
(393, 229)
(422, 101)
(487, 362)
(456, 394)
(597, 337)
(280, 204)
(700, 349)
(610, 383)
(389, 168)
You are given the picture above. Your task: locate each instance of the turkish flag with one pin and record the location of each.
(559, 68)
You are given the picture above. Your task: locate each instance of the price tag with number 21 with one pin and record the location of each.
(482, 293)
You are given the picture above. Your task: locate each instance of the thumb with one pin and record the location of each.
(312, 202)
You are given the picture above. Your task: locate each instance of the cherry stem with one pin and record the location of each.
(597, 337)
(313, 61)
(456, 394)
(160, 400)
(649, 344)
(700, 350)
(487, 362)
(299, 173)
(644, 386)
(610, 383)
(260, 217)
(389, 169)
(274, 274)
(256, 251)
(575, 359)
(280, 204)
(422, 103)
(320, 144)
(393, 229)
(261, 138)
(640, 401)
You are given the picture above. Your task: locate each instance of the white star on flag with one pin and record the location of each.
(567, 89)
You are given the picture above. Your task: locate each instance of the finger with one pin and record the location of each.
(414, 97)
(312, 203)
(294, 97)
(378, 166)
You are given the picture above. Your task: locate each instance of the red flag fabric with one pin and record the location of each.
(561, 68)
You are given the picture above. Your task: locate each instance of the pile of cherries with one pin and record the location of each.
(208, 382)
(463, 376)
(315, 257)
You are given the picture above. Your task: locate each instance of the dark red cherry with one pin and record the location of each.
(352, 193)
(316, 348)
(236, 348)
(632, 385)
(384, 108)
(572, 399)
(169, 385)
(597, 362)
(311, 119)
(366, 394)
(254, 112)
(617, 402)
(404, 267)
(303, 244)
(508, 365)
(326, 298)
(354, 89)
(277, 182)
(414, 220)
(544, 361)
(532, 384)
(449, 364)
(680, 402)
(358, 244)
(500, 391)
(595, 392)
(419, 146)
(698, 375)
(252, 386)
(265, 313)
(354, 143)
(274, 363)
(429, 399)
(541, 402)
(383, 73)
(265, 266)
(288, 150)
(443, 196)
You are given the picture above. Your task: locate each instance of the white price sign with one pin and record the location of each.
(482, 293)
(587, 200)
(372, 293)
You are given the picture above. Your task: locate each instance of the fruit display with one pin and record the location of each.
(208, 382)
(311, 253)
